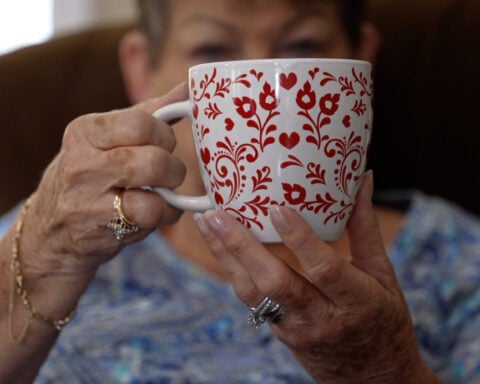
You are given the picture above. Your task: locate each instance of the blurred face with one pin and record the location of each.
(201, 31)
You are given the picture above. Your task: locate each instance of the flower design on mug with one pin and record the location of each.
(306, 97)
(246, 107)
(329, 103)
(255, 115)
(294, 193)
(268, 101)
(327, 106)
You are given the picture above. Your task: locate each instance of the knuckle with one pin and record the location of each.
(166, 136)
(236, 244)
(140, 125)
(277, 285)
(142, 211)
(71, 172)
(162, 167)
(74, 129)
(328, 272)
(154, 164)
(299, 238)
(215, 245)
(124, 169)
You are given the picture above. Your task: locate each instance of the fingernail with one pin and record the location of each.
(279, 219)
(202, 224)
(218, 224)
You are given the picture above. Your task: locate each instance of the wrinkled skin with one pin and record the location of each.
(347, 321)
(100, 154)
(65, 237)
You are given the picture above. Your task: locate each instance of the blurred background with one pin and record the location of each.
(427, 87)
(26, 22)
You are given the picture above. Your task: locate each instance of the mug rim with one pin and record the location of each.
(280, 61)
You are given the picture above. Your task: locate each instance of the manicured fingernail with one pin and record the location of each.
(202, 224)
(279, 219)
(219, 225)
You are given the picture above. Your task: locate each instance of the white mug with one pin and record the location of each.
(292, 132)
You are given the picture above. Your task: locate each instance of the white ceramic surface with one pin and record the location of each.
(293, 132)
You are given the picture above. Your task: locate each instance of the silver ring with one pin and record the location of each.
(267, 310)
(120, 225)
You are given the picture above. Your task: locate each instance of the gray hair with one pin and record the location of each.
(152, 22)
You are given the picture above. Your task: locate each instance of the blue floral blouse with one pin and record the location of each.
(152, 317)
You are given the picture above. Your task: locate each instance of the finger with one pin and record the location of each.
(331, 273)
(129, 127)
(132, 126)
(141, 166)
(145, 209)
(148, 208)
(244, 287)
(270, 275)
(176, 94)
(366, 244)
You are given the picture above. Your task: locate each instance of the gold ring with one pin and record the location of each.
(120, 225)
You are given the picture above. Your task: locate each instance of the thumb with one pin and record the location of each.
(178, 93)
(366, 244)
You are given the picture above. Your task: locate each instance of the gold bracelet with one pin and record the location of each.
(18, 286)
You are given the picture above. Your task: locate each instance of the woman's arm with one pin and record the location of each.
(26, 341)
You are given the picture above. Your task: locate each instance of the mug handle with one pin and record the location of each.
(184, 202)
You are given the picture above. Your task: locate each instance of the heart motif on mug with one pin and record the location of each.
(288, 81)
(346, 121)
(289, 141)
(229, 124)
(258, 75)
(313, 72)
(195, 111)
(205, 155)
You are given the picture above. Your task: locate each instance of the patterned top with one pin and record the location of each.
(152, 317)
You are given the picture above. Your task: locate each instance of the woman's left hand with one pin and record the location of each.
(346, 320)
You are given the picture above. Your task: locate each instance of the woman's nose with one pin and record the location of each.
(258, 51)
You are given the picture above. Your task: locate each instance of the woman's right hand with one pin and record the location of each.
(66, 225)
(65, 234)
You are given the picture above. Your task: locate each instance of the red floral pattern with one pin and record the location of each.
(306, 97)
(327, 127)
(246, 107)
(268, 101)
(294, 193)
(329, 103)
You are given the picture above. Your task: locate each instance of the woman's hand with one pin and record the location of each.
(101, 154)
(346, 321)
(65, 233)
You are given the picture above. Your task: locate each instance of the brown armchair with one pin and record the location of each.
(43, 88)
(426, 131)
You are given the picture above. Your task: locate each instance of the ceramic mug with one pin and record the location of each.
(292, 132)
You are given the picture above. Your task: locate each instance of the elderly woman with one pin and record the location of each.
(152, 288)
